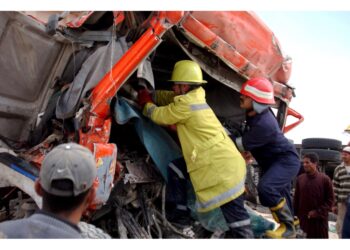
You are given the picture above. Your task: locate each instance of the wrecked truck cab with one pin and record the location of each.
(74, 77)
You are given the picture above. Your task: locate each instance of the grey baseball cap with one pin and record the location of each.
(68, 161)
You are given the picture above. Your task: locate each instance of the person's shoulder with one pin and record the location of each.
(266, 119)
(2, 235)
(325, 177)
(186, 99)
(10, 227)
(301, 177)
(338, 168)
(181, 99)
(89, 231)
(8, 223)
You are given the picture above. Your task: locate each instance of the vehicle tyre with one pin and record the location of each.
(323, 143)
(324, 154)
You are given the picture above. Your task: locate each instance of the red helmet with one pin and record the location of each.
(259, 89)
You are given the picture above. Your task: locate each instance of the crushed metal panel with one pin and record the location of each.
(12, 178)
(92, 70)
(238, 38)
(105, 155)
(27, 54)
(211, 65)
(138, 172)
(28, 59)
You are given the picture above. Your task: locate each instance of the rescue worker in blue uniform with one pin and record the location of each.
(215, 167)
(276, 156)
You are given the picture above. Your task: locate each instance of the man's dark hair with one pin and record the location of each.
(57, 204)
(312, 156)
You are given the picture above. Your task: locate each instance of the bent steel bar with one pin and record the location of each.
(295, 114)
(112, 81)
(106, 89)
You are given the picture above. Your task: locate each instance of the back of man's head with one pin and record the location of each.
(66, 176)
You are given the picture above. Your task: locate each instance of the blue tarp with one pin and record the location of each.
(158, 143)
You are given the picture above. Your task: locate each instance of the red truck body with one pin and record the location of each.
(230, 47)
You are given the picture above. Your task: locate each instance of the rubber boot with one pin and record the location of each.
(296, 222)
(300, 234)
(284, 217)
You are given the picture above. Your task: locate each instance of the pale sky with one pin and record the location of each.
(319, 44)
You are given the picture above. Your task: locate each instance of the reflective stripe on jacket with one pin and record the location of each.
(216, 168)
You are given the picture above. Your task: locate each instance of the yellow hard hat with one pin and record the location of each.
(187, 71)
(347, 129)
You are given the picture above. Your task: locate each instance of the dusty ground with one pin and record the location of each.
(331, 230)
(267, 215)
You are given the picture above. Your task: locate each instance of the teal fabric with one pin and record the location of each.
(258, 223)
(160, 146)
(212, 221)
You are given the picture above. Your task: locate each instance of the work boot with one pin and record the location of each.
(282, 215)
(296, 223)
(300, 234)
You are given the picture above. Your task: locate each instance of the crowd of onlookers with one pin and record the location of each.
(316, 195)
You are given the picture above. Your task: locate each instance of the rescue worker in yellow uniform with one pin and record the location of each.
(215, 167)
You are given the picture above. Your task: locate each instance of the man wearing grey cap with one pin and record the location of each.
(66, 185)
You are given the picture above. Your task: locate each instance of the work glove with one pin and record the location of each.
(247, 156)
(172, 127)
(144, 96)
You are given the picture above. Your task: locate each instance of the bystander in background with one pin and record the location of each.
(313, 199)
(341, 183)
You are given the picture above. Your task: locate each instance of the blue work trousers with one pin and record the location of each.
(276, 180)
(236, 216)
(177, 184)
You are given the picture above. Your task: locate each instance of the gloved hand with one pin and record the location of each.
(172, 127)
(247, 157)
(144, 97)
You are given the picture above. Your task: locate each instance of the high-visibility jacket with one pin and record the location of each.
(215, 166)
